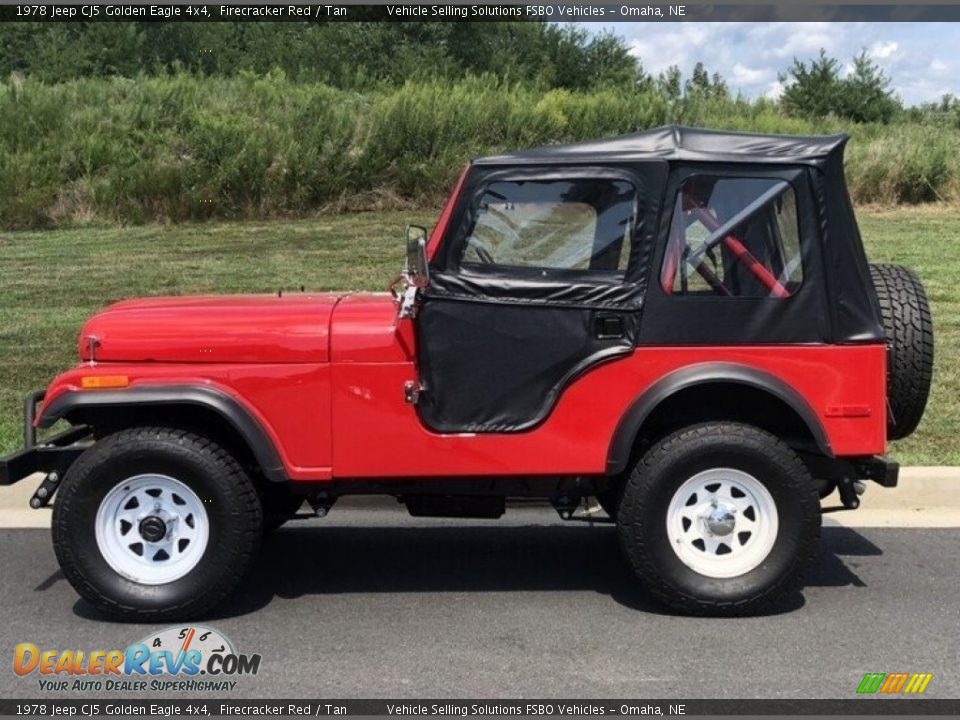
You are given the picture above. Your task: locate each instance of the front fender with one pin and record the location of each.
(246, 425)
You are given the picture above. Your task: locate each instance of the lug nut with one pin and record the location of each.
(35, 503)
(41, 492)
(53, 477)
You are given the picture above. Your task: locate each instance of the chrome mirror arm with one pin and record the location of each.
(408, 302)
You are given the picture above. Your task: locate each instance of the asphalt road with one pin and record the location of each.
(373, 603)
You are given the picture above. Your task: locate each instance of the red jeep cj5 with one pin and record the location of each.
(679, 323)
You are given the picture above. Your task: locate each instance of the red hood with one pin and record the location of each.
(214, 329)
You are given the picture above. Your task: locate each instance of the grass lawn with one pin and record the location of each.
(51, 281)
(927, 240)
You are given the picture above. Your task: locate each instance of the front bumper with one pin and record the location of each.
(53, 456)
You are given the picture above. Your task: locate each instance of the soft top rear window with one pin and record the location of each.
(733, 237)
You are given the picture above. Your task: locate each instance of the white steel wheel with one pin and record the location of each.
(152, 529)
(722, 523)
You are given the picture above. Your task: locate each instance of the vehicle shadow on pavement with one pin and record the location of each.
(832, 571)
(300, 562)
(324, 561)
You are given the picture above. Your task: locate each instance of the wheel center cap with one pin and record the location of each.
(720, 521)
(152, 529)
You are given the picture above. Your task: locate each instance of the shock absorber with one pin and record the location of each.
(850, 492)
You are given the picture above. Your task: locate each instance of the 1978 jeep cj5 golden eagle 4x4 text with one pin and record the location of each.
(680, 323)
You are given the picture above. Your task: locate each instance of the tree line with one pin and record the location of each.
(357, 55)
(366, 55)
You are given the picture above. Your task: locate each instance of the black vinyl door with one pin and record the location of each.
(539, 280)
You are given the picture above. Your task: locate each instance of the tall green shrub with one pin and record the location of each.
(179, 147)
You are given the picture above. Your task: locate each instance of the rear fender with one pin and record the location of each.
(630, 425)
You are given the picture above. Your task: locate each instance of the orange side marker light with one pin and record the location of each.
(100, 382)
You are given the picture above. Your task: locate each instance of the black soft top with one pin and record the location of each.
(676, 142)
(844, 310)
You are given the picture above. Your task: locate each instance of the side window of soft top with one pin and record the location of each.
(733, 237)
(579, 226)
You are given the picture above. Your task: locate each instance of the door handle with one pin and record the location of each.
(608, 327)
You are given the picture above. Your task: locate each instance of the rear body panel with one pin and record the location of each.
(376, 434)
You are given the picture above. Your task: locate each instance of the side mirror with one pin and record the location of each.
(417, 270)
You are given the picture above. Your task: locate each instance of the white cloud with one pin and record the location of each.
(775, 90)
(658, 51)
(917, 56)
(806, 42)
(882, 50)
(743, 75)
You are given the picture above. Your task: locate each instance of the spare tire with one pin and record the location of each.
(909, 329)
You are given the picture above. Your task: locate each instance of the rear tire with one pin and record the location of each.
(719, 519)
(909, 329)
(156, 524)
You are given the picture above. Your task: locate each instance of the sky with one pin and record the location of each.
(923, 59)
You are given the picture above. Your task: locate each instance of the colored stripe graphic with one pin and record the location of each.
(893, 683)
(870, 683)
(918, 682)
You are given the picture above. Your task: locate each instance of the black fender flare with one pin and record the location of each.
(629, 426)
(238, 417)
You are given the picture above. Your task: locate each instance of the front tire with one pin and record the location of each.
(720, 519)
(156, 524)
